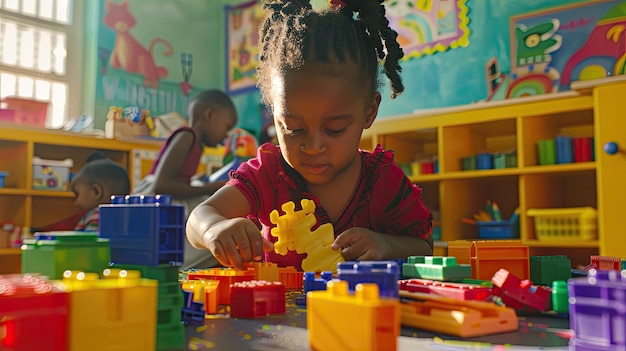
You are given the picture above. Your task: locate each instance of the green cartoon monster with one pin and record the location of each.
(535, 43)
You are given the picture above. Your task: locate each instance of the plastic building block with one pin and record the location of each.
(520, 294)
(29, 305)
(226, 277)
(290, 277)
(143, 233)
(267, 271)
(316, 244)
(52, 253)
(465, 292)
(192, 311)
(257, 299)
(364, 321)
(171, 337)
(163, 273)
(204, 292)
(455, 317)
(488, 256)
(118, 313)
(460, 249)
(312, 283)
(484, 283)
(598, 311)
(560, 297)
(606, 263)
(284, 224)
(546, 269)
(435, 268)
(383, 273)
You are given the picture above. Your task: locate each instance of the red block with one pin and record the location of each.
(582, 150)
(428, 167)
(465, 292)
(33, 315)
(606, 263)
(257, 299)
(521, 294)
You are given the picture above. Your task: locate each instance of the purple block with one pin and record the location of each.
(597, 306)
(383, 273)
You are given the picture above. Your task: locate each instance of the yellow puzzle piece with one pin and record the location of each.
(320, 257)
(284, 224)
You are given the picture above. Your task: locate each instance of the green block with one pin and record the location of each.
(170, 302)
(164, 273)
(560, 297)
(468, 163)
(171, 337)
(53, 253)
(546, 269)
(485, 283)
(169, 316)
(435, 268)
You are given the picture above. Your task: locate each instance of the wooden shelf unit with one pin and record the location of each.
(454, 133)
(27, 207)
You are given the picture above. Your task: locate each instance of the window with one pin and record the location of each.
(40, 54)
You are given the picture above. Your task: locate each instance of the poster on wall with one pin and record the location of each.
(143, 60)
(550, 49)
(426, 27)
(242, 23)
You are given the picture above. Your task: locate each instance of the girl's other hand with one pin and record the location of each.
(361, 244)
(235, 241)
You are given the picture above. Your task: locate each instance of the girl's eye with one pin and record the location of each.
(292, 132)
(334, 132)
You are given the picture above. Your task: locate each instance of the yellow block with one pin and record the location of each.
(111, 314)
(337, 320)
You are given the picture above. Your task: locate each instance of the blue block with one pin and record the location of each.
(311, 283)
(484, 161)
(564, 149)
(144, 233)
(383, 273)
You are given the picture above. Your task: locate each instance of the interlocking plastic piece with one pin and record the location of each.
(193, 311)
(164, 273)
(257, 299)
(30, 305)
(435, 268)
(521, 294)
(464, 292)
(118, 313)
(337, 320)
(226, 277)
(560, 297)
(546, 269)
(284, 224)
(204, 292)
(290, 277)
(52, 253)
(313, 283)
(316, 244)
(488, 256)
(267, 271)
(598, 311)
(383, 273)
(143, 232)
(606, 263)
(455, 317)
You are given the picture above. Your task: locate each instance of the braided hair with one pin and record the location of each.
(293, 34)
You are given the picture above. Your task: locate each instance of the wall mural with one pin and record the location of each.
(551, 49)
(426, 27)
(242, 23)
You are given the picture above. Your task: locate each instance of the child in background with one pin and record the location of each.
(211, 115)
(93, 185)
(318, 73)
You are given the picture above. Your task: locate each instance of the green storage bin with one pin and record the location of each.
(547, 152)
(468, 163)
(53, 253)
(505, 160)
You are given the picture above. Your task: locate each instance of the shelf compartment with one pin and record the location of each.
(535, 129)
(555, 190)
(49, 209)
(367, 143)
(413, 148)
(14, 161)
(77, 154)
(463, 141)
(474, 194)
(13, 209)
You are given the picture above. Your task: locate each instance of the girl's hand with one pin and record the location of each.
(362, 244)
(235, 241)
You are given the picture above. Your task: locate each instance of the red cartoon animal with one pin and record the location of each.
(128, 54)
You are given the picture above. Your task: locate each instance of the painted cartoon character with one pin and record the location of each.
(128, 54)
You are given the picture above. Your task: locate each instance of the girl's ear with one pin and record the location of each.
(97, 190)
(372, 110)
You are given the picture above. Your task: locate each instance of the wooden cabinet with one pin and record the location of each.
(22, 205)
(452, 134)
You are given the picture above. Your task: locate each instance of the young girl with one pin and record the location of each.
(319, 74)
(211, 115)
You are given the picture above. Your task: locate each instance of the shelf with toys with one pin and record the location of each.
(537, 154)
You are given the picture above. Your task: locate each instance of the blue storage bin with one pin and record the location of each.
(3, 175)
(146, 234)
(564, 149)
(499, 229)
(484, 161)
(436, 166)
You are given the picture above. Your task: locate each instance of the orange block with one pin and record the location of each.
(337, 320)
(461, 250)
(489, 256)
(291, 278)
(226, 277)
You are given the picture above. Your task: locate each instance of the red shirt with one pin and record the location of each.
(192, 160)
(385, 200)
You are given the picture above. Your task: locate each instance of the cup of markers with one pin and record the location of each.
(491, 224)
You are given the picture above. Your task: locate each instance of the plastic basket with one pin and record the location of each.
(28, 112)
(576, 223)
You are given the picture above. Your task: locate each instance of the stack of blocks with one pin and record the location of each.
(146, 234)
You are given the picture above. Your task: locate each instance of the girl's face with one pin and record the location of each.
(218, 122)
(319, 119)
(88, 196)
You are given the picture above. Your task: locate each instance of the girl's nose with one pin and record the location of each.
(313, 144)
